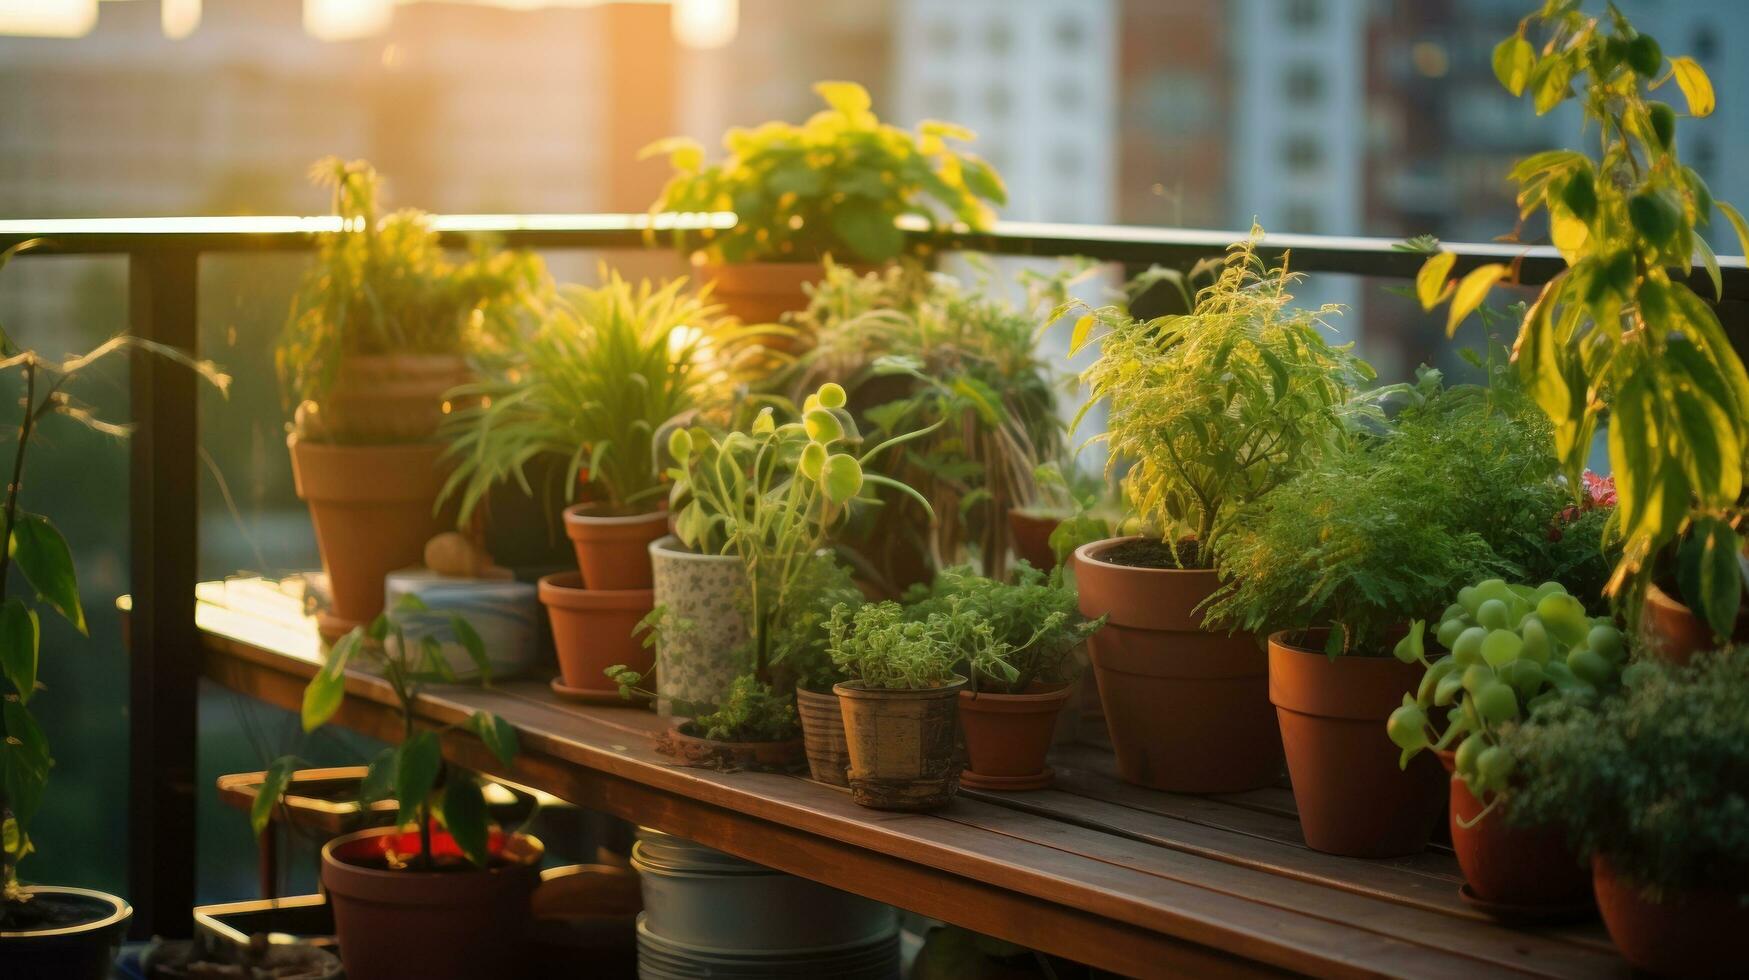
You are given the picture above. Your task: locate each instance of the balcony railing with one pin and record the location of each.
(163, 257)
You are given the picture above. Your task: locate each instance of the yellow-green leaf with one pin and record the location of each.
(19, 632)
(1735, 217)
(1430, 282)
(1695, 85)
(267, 796)
(1514, 60)
(1083, 329)
(1471, 291)
(847, 97)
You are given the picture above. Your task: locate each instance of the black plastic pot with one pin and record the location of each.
(82, 951)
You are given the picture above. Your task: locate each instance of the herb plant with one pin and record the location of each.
(832, 186)
(1513, 648)
(751, 710)
(1035, 621)
(1655, 779)
(604, 368)
(36, 549)
(880, 647)
(1213, 409)
(1619, 330)
(413, 772)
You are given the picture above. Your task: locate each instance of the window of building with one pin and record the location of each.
(1303, 84)
(1302, 217)
(1302, 14)
(1302, 153)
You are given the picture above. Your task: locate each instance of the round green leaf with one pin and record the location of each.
(841, 478)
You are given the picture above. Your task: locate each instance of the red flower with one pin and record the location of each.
(1599, 490)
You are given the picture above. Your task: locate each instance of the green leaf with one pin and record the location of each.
(868, 230)
(379, 777)
(19, 636)
(1735, 217)
(272, 788)
(464, 812)
(983, 180)
(1514, 60)
(1549, 81)
(476, 647)
(496, 733)
(1695, 85)
(1709, 575)
(43, 556)
(322, 696)
(436, 663)
(1430, 282)
(416, 770)
(1471, 291)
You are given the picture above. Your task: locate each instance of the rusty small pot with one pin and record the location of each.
(1692, 933)
(902, 754)
(387, 398)
(1670, 631)
(1510, 867)
(823, 736)
(1009, 735)
(1029, 533)
(593, 630)
(613, 553)
(762, 292)
(694, 750)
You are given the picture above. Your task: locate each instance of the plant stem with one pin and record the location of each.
(9, 861)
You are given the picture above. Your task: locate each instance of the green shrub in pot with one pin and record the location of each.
(1650, 785)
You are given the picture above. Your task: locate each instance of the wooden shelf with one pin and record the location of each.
(1126, 879)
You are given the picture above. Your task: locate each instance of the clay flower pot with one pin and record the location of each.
(823, 736)
(901, 744)
(372, 507)
(695, 750)
(1029, 532)
(1187, 708)
(1671, 631)
(592, 631)
(698, 664)
(1353, 798)
(1008, 735)
(762, 292)
(1691, 933)
(1515, 871)
(458, 922)
(388, 398)
(81, 948)
(614, 552)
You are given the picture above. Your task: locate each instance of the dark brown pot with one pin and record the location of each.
(1516, 867)
(1694, 933)
(823, 736)
(81, 951)
(762, 292)
(614, 552)
(901, 744)
(1352, 796)
(1671, 631)
(784, 756)
(372, 507)
(1030, 534)
(1008, 736)
(387, 398)
(431, 924)
(1187, 708)
(592, 631)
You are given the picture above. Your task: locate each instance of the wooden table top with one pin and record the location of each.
(1127, 879)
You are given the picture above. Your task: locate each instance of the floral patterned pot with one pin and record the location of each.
(698, 653)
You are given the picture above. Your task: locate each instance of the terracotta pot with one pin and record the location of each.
(697, 665)
(592, 630)
(693, 750)
(1691, 933)
(762, 292)
(1188, 709)
(1505, 865)
(823, 736)
(901, 743)
(614, 552)
(1352, 796)
(431, 924)
(1030, 534)
(82, 951)
(387, 398)
(1671, 631)
(372, 507)
(1008, 736)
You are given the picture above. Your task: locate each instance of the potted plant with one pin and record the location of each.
(1059, 518)
(800, 644)
(1210, 411)
(377, 334)
(832, 186)
(430, 901)
(1646, 785)
(1513, 647)
(1334, 564)
(47, 932)
(754, 727)
(1009, 707)
(1620, 331)
(900, 700)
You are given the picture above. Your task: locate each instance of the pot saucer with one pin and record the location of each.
(971, 780)
(1529, 914)
(587, 695)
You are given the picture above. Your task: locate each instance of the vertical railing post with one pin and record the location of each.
(164, 665)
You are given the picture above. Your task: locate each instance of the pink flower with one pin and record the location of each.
(1599, 490)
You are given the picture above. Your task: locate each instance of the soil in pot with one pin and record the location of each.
(1008, 736)
(592, 631)
(1693, 933)
(372, 508)
(902, 752)
(1352, 796)
(1029, 533)
(823, 736)
(63, 934)
(453, 921)
(1515, 871)
(1671, 631)
(1187, 708)
(688, 747)
(387, 398)
(614, 552)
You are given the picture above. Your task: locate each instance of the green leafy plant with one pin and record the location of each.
(1513, 648)
(603, 370)
(36, 549)
(1452, 490)
(833, 185)
(879, 646)
(1656, 779)
(1075, 497)
(1035, 620)
(383, 285)
(1619, 331)
(1213, 409)
(751, 711)
(414, 772)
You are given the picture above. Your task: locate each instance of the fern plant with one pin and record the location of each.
(832, 186)
(1035, 621)
(1619, 331)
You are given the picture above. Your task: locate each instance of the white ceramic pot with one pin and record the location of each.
(702, 650)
